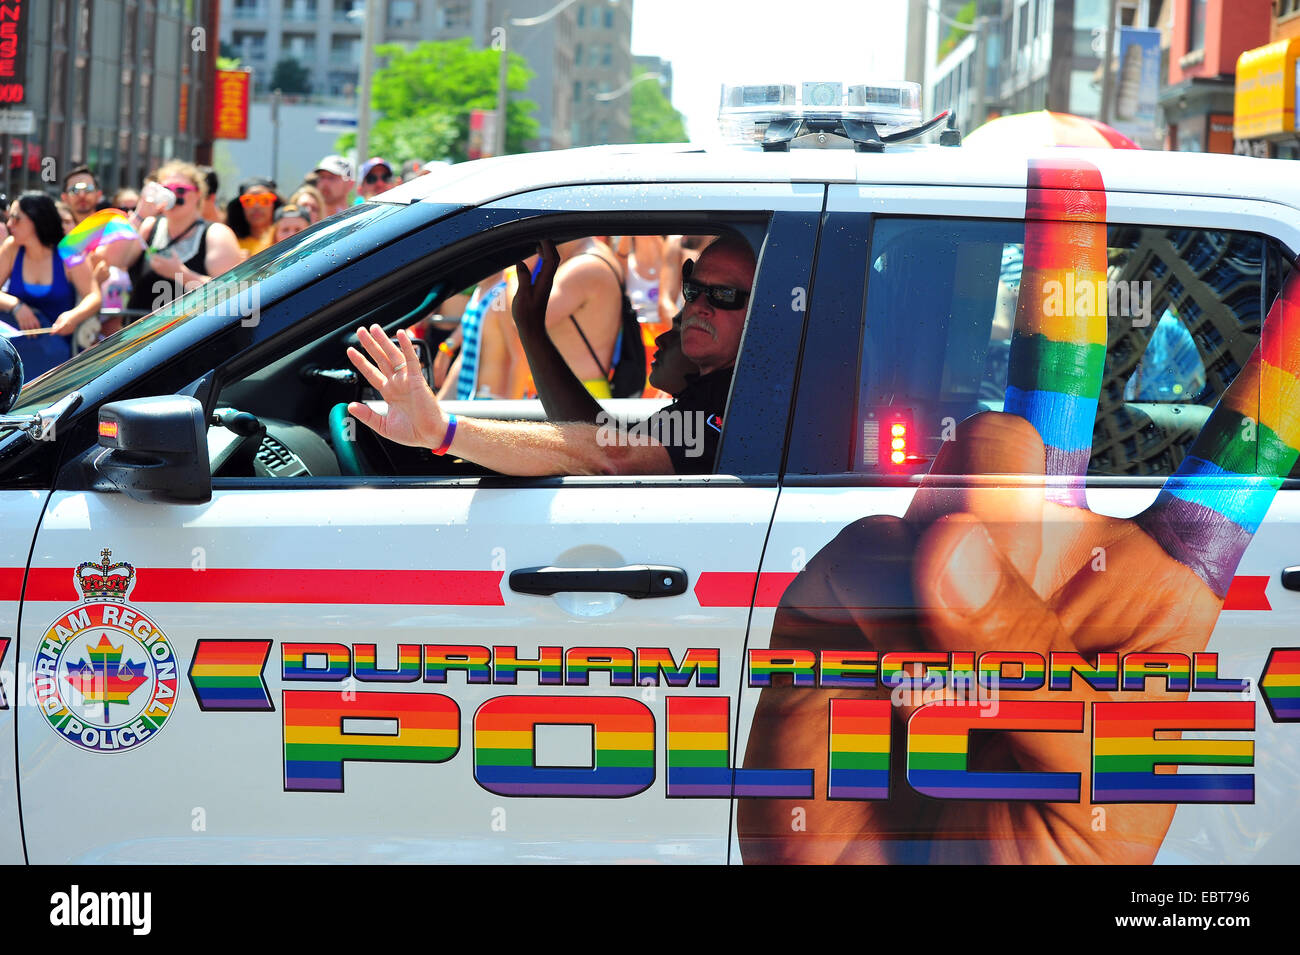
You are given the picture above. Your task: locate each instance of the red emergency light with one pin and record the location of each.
(889, 440)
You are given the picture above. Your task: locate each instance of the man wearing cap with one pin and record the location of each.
(334, 180)
(376, 178)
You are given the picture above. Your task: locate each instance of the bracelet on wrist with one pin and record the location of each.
(444, 348)
(447, 438)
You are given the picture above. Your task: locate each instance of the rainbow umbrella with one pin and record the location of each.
(1045, 128)
(98, 228)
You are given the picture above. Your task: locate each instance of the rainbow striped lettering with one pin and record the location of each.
(699, 747)
(315, 661)
(505, 754)
(1173, 668)
(425, 728)
(698, 663)
(993, 670)
(844, 668)
(859, 754)
(1103, 677)
(548, 665)
(367, 671)
(618, 662)
(1126, 752)
(1205, 675)
(474, 662)
(938, 750)
(798, 664)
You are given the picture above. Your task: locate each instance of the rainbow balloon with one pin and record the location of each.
(97, 229)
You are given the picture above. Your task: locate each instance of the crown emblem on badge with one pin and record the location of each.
(104, 581)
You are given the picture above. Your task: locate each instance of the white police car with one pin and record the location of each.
(226, 635)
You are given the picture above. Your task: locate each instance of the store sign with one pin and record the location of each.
(482, 133)
(1264, 103)
(230, 112)
(17, 122)
(13, 50)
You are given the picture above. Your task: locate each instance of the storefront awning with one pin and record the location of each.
(1264, 104)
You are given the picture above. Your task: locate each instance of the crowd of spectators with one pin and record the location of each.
(53, 304)
(56, 299)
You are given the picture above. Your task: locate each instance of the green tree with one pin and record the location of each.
(418, 90)
(966, 15)
(653, 118)
(290, 76)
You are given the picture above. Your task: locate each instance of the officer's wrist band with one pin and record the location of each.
(446, 438)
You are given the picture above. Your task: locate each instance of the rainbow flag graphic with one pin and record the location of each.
(1280, 684)
(104, 677)
(227, 675)
(97, 229)
(1058, 349)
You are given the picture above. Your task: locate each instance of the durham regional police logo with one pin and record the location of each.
(105, 674)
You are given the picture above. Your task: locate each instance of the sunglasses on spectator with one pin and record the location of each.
(724, 297)
(374, 177)
(180, 188)
(251, 200)
(80, 189)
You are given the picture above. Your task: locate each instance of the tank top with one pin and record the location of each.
(643, 293)
(51, 300)
(191, 248)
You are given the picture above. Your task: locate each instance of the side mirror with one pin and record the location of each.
(11, 375)
(155, 449)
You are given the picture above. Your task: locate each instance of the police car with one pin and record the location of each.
(992, 564)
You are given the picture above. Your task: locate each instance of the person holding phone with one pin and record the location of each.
(181, 249)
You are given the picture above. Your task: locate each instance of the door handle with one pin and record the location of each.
(1291, 578)
(635, 580)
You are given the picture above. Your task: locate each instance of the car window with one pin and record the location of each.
(300, 392)
(1183, 309)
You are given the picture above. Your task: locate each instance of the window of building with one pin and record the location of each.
(403, 13)
(582, 14)
(1196, 25)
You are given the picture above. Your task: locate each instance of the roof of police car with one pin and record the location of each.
(1123, 170)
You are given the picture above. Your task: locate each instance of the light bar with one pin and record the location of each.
(746, 110)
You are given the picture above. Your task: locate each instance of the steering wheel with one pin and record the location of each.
(344, 436)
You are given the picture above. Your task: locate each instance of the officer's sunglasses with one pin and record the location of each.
(725, 297)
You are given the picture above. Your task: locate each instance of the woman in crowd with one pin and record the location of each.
(182, 250)
(290, 220)
(309, 200)
(43, 293)
(252, 214)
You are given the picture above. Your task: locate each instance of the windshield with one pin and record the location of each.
(238, 293)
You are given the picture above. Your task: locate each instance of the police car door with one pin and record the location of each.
(377, 670)
(20, 511)
(835, 654)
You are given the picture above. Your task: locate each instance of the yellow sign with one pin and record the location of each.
(1264, 104)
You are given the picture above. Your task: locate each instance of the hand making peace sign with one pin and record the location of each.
(1012, 565)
